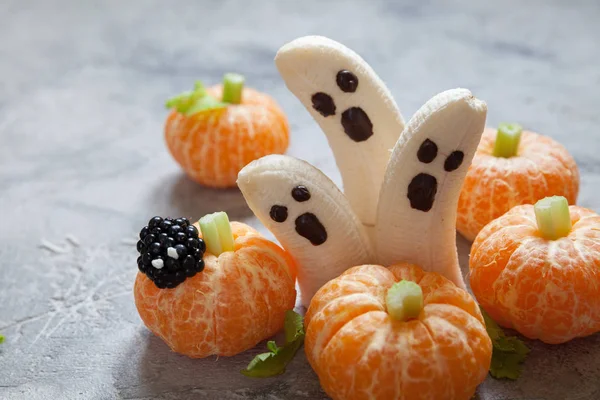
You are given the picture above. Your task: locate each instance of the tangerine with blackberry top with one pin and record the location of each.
(234, 294)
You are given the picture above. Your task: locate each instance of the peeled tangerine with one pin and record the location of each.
(238, 299)
(396, 333)
(536, 269)
(212, 133)
(512, 167)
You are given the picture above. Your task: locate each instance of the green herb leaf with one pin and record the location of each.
(205, 104)
(274, 363)
(198, 100)
(294, 326)
(506, 365)
(508, 352)
(258, 363)
(271, 364)
(271, 345)
(493, 329)
(1, 339)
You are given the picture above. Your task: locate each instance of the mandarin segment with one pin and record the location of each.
(369, 279)
(545, 289)
(239, 299)
(190, 334)
(454, 296)
(494, 185)
(359, 351)
(409, 272)
(239, 304)
(463, 348)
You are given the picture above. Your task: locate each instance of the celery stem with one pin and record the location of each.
(404, 300)
(507, 140)
(233, 86)
(553, 217)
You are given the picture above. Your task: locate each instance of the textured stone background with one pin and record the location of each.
(81, 113)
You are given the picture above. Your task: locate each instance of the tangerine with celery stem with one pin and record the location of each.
(396, 333)
(234, 294)
(536, 269)
(512, 167)
(213, 133)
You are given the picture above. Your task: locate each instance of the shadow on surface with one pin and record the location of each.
(463, 246)
(188, 198)
(149, 369)
(552, 372)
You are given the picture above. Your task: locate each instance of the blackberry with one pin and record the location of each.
(170, 251)
(192, 243)
(166, 224)
(145, 230)
(154, 248)
(191, 231)
(149, 239)
(181, 250)
(147, 259)
(183, 222)
(181, 237)
(154, 222)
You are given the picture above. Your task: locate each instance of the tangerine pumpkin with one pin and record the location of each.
(531, 277)
(362, 345)
(512, 167)
(238, 299)
(213, 140)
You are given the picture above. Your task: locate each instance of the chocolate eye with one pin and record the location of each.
(300, 193)
(278, 213)
(454, 160)
(346, 81)
(427, 152)
(324, 104)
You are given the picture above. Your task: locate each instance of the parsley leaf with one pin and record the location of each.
(274, 362)
(271, 345)
(198, 100)
(508, 352)
(293, 325)
(1, 339)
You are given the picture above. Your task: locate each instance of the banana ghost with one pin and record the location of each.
(397, 206)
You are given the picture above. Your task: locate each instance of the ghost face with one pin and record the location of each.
(335, 84)
(417, 205)
(284, 200)
(423, 187)
(353, 108)
(307, 224)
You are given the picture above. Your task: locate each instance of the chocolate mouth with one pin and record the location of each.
(309, 227)
(421, 192)
(357, 124)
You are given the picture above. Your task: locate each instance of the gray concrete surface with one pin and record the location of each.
(82, 86)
